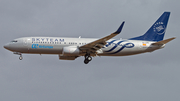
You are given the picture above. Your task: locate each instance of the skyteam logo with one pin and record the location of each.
(36, 46)
(159, 28)
(118, 46)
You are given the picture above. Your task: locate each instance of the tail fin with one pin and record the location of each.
(157, 30)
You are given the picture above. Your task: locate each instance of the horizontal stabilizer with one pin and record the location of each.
(163, 41)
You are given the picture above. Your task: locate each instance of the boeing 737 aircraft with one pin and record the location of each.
(71, 48)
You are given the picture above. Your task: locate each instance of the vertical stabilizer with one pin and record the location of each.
(157, 30)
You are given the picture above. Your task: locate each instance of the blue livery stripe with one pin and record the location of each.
(127, 45)
(114, 46)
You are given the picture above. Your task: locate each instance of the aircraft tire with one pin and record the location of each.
(89, 58)
(20, 58)
(86, 61)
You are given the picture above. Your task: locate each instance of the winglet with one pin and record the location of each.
(120, 28)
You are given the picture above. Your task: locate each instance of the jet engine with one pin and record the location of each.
(70, 51)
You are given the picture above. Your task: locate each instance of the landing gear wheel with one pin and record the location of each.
(20, 58)
(87, 59)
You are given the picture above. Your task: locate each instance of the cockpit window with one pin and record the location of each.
(14, 41)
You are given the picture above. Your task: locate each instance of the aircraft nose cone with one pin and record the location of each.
(6, 46)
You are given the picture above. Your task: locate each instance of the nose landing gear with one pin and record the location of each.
(87, 59)
(20, 58)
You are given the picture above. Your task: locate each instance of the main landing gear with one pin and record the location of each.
(87, 59)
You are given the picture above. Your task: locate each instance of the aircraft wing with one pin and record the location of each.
(98, 44)
(61, 57)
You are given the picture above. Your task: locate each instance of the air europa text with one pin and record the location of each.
(35, 46)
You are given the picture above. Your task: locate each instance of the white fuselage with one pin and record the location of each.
(54, 45)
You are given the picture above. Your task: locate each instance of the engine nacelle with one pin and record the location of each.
(71, 51)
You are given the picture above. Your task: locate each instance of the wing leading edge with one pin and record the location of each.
(98, 44)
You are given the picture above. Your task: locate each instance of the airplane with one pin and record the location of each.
(71, 48)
